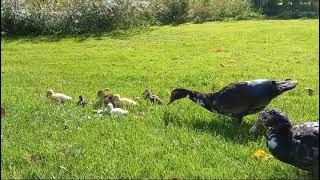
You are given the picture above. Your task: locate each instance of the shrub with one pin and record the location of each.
(93, 16)
(211, 10)
(76, 16)
(171, 11)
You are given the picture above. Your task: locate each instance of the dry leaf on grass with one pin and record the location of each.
(218, 50)
(261, 154)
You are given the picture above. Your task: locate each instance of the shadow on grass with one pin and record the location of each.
(117, 34)
(224, 127)
(221, 126)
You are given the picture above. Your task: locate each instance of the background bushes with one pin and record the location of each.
(73, 16)
(212, 10)
(35, 17)
(172, 11)
(288, 8)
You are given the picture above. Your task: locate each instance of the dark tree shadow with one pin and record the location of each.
(116, 34)
(33, 39)
(222, 126)
(171, 118)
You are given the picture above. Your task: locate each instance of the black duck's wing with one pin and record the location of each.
(307, 132)
(232, 98)
(306, 137)
(243, 97)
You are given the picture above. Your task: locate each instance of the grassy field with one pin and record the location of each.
(180, 140)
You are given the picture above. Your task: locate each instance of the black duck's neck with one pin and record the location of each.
(201, 98)
(280, 143)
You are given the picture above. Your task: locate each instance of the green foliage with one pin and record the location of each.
(35, 17)
(94, 16)
(172, 11)
(182, 140)
(288, 8)
(76, 16)
(211, 10)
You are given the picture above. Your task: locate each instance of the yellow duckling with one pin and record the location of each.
(119, 101)
(58, 97)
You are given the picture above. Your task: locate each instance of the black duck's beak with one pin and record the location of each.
(171, 101)
(172, 98)
(178, 93)
(253, 129)
(286, 85)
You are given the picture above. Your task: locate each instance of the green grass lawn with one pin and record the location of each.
(180, 140)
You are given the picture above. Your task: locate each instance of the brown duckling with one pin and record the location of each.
(104, 97)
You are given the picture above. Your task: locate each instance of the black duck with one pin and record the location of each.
(238, 99)
(298, 145)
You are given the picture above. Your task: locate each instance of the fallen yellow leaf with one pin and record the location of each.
(261, 154)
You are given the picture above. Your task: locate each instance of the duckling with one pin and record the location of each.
(104, 97)
(151, 97)
(119, 101)
(58, 97)
(82, 102)
(3, 112)
(117, 111)
(295, 145)
(103, 93)
(237, 99)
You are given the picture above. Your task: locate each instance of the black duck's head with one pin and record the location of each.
(271, 118)
(81, 98)
(285, 85)
(178, 93)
